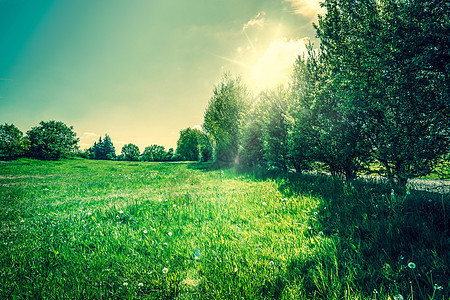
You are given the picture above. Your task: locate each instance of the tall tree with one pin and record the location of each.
(251, 151)
(12, 142)
(223, 116)
(388, 62)
(275, 128)
(52, 140)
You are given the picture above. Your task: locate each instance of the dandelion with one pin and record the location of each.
(120, 211)
(320, 232)
(145, 231)
(170, 233)
(197, 254)
(125, 284)
(174, 205)
(438, 287)
(21, 221)
(140, 284)
(165, 244)
(412, 265)
(165, 270)
(264, 203)
(271, 263)
(398, 297)
(89, 213)
(235, 269)
(159, 200)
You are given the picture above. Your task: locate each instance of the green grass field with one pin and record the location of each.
(79, 229)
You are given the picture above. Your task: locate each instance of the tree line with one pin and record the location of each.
(373, 99)
(54, 140)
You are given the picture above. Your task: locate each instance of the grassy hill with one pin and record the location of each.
(80, 229)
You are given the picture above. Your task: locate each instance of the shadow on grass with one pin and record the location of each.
(376, 232)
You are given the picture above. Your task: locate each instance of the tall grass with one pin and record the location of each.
(118, 230)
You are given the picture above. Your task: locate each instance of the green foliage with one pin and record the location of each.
(188, 145)
(154, 153)
(103, 150)
(52, 140)
(12, 142)
(275, 128)
(223, 117)
(251, 152)
(129, 152)
(386, 65)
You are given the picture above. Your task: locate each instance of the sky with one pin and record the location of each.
(140, 70)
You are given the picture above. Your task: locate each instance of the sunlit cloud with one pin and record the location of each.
(275, 66)
(258, 20)
(306, 8)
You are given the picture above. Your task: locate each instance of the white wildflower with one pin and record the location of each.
(165, 270)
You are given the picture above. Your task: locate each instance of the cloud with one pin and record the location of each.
(275, 66)
(87, 139)
(258, 20)
(90, 134)
(307, 8)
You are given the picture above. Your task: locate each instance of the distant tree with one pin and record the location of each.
(130, 152)
(103, 149)
(188, 145)
(223, 117)
(12, 142)
(52, 140)
(206, 148)
(169, 155)
(154, 153)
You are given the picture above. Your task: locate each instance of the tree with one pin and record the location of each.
(103, 149)
(169, 155)
(251, 151)
(154, 153)
(275, 128)
(387, 62)
(12, 142)
(130, 152)
(52, 140)
(188, 145)
(223, 117)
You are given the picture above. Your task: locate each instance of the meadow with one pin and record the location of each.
(84, 229)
